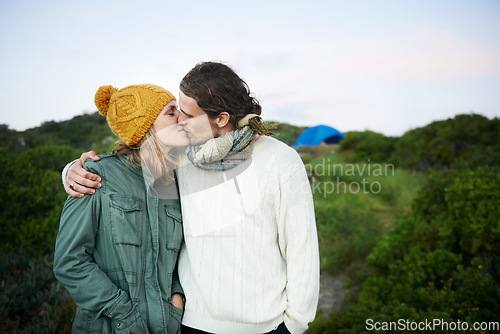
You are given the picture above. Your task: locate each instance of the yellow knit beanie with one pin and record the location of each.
(131, 111)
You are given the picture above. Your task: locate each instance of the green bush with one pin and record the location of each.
(288, 133)
(83, 132)
(465, 140)
(368, 146)
(441, 262)
(351, 219)
(31, 300)
(444, 144)
(32, 198)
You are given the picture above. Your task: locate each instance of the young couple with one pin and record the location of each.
(243, 256)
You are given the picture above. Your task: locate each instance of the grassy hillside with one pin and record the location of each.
(412, 220)
(355, 204)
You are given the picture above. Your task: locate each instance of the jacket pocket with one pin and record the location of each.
(133, 324)
(175, 319)
(127, 217)
(175, 233)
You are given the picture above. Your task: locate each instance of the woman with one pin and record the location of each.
(116, 251)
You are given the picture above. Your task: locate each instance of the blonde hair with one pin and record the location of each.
(149, 155)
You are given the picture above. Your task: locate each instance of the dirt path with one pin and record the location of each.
(332, 294)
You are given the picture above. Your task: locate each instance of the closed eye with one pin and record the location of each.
(182, 111)
(171, 111)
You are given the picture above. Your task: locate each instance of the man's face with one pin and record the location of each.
(198, 126)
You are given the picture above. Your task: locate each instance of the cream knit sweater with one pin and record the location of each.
(250, 259)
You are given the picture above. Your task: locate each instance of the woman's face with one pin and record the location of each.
(170, 133)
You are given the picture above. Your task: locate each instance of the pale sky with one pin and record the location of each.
(387, 66)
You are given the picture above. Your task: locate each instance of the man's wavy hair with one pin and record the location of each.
(217, 88)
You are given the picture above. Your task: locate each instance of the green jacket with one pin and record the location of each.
(116, 253)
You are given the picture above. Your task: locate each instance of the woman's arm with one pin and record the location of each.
(177, 291)
(74, 266)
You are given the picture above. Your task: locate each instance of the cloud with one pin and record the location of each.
(426, 54)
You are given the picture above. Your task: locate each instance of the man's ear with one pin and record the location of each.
(223, 119)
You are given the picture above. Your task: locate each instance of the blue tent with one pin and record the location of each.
(320, 134)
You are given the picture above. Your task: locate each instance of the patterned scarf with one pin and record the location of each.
(224, 152)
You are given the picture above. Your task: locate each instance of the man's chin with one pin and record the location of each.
(199, 141)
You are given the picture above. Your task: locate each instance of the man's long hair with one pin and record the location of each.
(217, 88)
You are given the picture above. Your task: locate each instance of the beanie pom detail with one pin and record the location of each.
(102, 98)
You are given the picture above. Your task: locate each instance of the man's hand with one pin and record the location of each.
(79, 181)
(178, 301)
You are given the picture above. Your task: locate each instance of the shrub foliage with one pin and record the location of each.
(431, 256)
(440, 262)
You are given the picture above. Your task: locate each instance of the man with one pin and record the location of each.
(250, 261)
